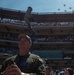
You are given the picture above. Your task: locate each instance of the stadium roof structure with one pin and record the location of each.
(37, 17)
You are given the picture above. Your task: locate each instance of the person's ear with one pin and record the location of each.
(30, 44)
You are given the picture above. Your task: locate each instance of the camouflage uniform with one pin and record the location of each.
(30, 63)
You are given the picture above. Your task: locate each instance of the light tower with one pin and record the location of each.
(27, 20)
(28, 15)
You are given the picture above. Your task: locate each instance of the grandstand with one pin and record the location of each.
(54, 41)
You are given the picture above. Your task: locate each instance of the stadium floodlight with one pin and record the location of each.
(28, 14)
(27, 20)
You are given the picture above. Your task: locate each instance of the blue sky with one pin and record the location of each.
(39, 5)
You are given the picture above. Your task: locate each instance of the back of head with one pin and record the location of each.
(70, 71)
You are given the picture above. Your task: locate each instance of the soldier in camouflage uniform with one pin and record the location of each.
(24, 63)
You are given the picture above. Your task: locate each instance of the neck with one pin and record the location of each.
(22, 52)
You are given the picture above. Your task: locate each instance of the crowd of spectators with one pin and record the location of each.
(8, 36)
(59, 70)
(8, 50)
(12, 22)
(13, 37)
(23, 23)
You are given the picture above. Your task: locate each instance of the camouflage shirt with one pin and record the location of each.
(30, 63)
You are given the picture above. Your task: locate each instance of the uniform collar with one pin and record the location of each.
(23, 55)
